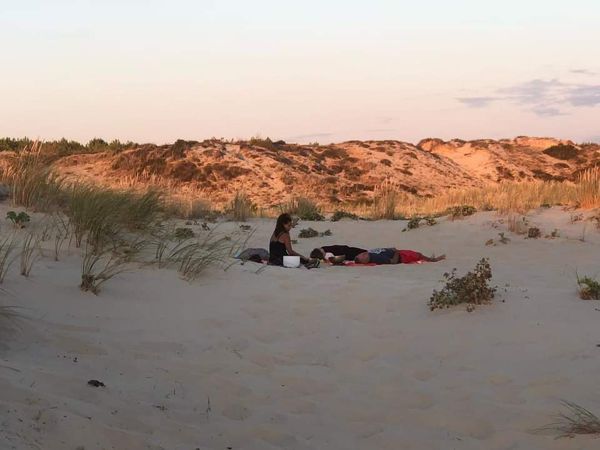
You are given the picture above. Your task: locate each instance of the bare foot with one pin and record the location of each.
(438, 258)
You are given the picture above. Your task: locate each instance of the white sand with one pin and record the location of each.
(333, 358)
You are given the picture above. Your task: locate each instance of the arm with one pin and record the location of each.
(285, 239)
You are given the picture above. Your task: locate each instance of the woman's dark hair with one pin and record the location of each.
(282, 220)
(317, 253)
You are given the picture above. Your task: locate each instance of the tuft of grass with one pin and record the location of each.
(303, 208)
(183, 233)
(98, 268)
(473, 288)
(241, 207)
(311, 232)
(589, 288)
(385, 201)
(587, 189)
(7, 247)
(577, 420)
(30, 253)
(534, 233)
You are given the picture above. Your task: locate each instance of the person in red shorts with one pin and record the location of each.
(394, 256)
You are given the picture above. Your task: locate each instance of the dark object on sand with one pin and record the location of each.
(96, 383)
(534, 233)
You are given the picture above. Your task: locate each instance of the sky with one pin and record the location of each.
(310, 71)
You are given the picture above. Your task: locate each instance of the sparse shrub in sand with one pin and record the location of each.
(19, 220)
(7, 247)
(589, 288)
(577, 420)
(340, 214)
(310, 233)
(534, 233)
(241, 207)
(61, 233)
(472, 288)
(458, 212)
(415, 222)
(189, 208)
(518, 224)
(30, 253)
(183, 233)
(587, 189)
(98, 267)
(303, 208)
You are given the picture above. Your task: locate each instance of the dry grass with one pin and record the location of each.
(97, 268)
(303, 208)
(241, 207)
(30, 253)
(386, 201)
(577, 420)
(7, 247)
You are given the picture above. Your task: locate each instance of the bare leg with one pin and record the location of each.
(434, 258)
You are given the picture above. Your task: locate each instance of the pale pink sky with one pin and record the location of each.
(155, 71)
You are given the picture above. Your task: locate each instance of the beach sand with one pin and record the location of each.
(329, 358)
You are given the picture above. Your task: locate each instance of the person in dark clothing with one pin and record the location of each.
(394, 256)
(348, 253)
(280, 244)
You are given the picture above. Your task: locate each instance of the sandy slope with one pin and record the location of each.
(334, 358)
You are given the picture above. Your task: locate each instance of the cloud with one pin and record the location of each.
(545, 98)
(584, 96)
(476, 102)
(583, 72)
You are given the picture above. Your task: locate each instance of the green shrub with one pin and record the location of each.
(18, 220)
(310, 233)
(457, 212)
(534, 233)
(589, 288)
(472, 288)
(339, 215)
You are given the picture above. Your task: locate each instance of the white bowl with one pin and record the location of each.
(291, 261)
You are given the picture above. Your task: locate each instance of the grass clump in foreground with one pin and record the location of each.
(472, 288)
(303, 208)
(99, 267)
(577, 420)
(589, 288)
(458, 212)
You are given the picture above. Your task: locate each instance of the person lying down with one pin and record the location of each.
(394, 256)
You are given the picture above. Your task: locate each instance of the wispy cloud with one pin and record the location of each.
(583, 72)
(546, 98)
(476, 102)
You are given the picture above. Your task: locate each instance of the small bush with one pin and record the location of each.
(589, 288)
(457, 212)
(413, 223)
(310, 233)
(562, 151)
(472, 288)
(534, 233)
(19, 220)
(339, 215)
(385, 201)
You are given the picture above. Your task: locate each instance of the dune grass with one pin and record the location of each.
(241, 207)
(577, 420)
(30, 253)
(99, 267)
(7, 248)
(302, 207)
(32, 182)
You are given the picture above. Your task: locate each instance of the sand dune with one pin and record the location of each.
(331, 358)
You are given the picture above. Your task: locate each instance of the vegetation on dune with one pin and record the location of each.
(241, 207)
(589, 288)
(341, 214)
(303, 208)
(562, 151)
(473, 288)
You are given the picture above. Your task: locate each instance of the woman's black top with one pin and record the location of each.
(277, 251)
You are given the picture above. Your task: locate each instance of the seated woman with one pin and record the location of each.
(280, 244)
(394, 256)
(342, 252)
